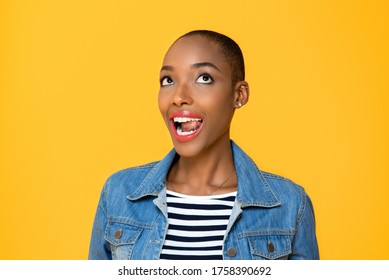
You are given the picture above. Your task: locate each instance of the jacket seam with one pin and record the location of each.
(302, 208)
(274, 176)
(145, 166)
(106, 189)
(266, 232)
(129, 222)
(102, 210)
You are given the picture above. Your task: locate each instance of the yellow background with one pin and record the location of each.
(79, 83)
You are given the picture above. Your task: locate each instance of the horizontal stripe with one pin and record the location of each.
(189, 253)
(199, 212)
(196, 233)
(170, 193)
(193, 199)
(229, 198)
(180, 257)
(209, 248)
(193, 244)
(197, 222)
(200, 206)
(205, 202)
(194, 239)
(197, 228)
(197, 217)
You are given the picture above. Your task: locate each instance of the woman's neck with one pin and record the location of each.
(210, 172)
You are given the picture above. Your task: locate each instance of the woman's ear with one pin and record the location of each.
(242, 94)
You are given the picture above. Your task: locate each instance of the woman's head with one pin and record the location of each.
(228, 48)
(202, 83)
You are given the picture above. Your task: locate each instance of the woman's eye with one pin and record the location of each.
(166, 81)
(204, 79)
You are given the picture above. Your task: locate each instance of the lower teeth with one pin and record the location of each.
(184, 133)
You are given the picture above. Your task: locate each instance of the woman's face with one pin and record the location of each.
(196, 96)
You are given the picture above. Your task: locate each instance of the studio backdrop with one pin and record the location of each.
(78, 101)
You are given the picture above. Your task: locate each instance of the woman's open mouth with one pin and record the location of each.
(185, 125)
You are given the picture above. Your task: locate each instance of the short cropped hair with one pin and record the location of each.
(229, 49)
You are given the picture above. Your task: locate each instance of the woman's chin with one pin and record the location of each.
(188, 149)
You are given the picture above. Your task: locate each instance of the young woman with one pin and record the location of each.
(206, 199)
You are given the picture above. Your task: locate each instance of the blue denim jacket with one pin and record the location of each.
(272, 217)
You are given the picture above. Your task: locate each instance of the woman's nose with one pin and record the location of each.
(182, 96)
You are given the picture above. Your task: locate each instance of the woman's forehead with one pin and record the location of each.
(194, 49)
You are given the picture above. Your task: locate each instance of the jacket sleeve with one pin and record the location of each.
(99, 248)
(305, 243)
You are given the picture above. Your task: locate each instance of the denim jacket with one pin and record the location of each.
(272, 217)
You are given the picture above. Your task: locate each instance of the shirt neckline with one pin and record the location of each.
(212, 196)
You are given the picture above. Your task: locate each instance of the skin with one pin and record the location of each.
(196, 77)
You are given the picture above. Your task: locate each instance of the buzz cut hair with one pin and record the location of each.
(228, 48)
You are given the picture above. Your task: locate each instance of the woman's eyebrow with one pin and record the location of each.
(195, 65)
(167, 68)
(205, 64)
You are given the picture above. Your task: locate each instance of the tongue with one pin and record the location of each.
(190, 126)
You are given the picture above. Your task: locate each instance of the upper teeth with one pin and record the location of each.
(184, 119)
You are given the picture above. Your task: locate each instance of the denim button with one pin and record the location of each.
(118, 233)
(231, 252)
(270, 247)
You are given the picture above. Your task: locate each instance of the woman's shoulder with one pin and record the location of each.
(275, 178)
(283, 187)
(129, 178)
(136, 168)
(290, 194)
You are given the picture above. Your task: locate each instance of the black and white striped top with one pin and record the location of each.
(197, 225)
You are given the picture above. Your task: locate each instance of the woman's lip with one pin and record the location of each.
(187, 114)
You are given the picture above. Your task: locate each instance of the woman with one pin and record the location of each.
(206, 199)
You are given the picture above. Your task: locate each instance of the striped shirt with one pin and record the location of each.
(197, 225)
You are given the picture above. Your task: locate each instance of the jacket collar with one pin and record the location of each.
(253, 189)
